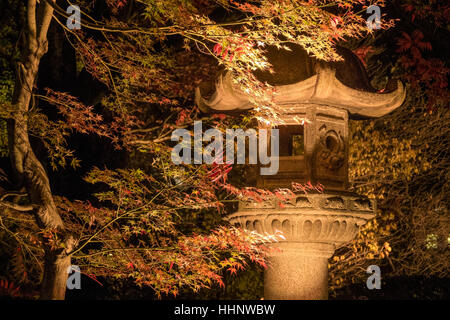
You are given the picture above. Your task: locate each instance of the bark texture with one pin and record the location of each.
(28, 170)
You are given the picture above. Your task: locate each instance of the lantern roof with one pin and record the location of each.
(299, 79)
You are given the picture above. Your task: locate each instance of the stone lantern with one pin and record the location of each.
(314, 224)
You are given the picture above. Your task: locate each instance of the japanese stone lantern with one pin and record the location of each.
(315, 223)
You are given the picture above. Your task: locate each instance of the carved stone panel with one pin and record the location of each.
(327, 218)
(326, 146)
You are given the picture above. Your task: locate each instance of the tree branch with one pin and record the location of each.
(45, 23)
(31, 18)
(18, 207)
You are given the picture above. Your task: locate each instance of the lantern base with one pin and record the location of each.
(299, 271)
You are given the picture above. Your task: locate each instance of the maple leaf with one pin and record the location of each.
(404, 43)
(217, 48)
(362, 53)
(219, 116)
(221, 283)
(232, 270)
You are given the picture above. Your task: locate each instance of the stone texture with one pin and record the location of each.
(314, 224)
(299, 271)
(342, 85)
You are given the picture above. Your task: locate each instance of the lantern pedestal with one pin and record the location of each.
(298, 272)
(313, 226)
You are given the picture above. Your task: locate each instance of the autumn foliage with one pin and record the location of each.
(135, 221)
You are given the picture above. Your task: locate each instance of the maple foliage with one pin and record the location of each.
(134, 59)
(8, 289)
(400, 159)
(150, 56)
(140, 238)
(430, 73)
(124, 57)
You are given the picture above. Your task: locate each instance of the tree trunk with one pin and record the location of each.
(28, 170)
(53, 285)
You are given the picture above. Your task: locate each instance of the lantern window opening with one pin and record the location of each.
(292, 140)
